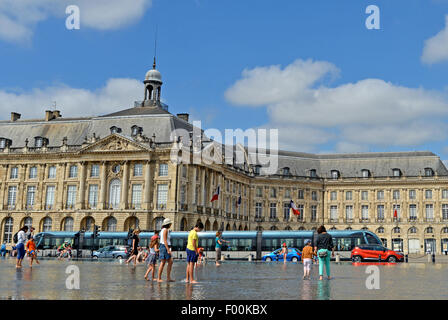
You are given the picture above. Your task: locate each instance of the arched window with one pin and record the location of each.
(115, 194)
(333, 228)
(7, 230)
(111, 224)
(68, 224)
(88, 223)
(274, 228)
(413, 230)
(47, 224)
(396, 230)
(380, 230)
(429, 230)
(445, 230)
(158, 223)
(28, 222)
(348, 228)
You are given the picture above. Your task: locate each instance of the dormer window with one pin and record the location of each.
(429, 172)
(286, 171)
(334, 174)
(40, 142)
(365, 173)
(5, 143)
(115, 129)
(136, 130)
(396, 172)
(313, 173)
(257, 170)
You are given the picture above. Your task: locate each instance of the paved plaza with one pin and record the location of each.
(234, 280)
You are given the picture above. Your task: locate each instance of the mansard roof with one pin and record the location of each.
(153, 120)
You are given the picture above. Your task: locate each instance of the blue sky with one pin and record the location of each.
(204, 46)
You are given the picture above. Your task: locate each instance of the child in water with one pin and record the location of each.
(32, 252)
(307, 258)
(152, 257)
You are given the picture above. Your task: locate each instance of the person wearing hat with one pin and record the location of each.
(307, 258)
(165, 251)
(284, 251)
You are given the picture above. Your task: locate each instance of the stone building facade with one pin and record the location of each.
(115, 171)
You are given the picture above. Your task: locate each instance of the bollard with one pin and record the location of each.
(250, 258)
(433, 257)
(338, 258)
(223, 257)
(406, 258)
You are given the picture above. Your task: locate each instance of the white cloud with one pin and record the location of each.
(18, 18)
(116, 95)
(436, 48)
(352, 116)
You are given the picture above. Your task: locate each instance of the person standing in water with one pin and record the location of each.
(21, 239)
(218, 246)
(323, 246)
(193, 251)
(165, 251)
(152, 257)
(32, 251)
(307, 258)
(284, 252)
(134, 252)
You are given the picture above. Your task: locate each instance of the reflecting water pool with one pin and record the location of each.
(231, 281)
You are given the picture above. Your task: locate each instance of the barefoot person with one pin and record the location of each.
(284, 252)
(307, 258)
(193, 251)
(134, 252)
(323, 246)
(32, 251)
(21, 239)
(218, 246)
(165, 251)
(152, 257)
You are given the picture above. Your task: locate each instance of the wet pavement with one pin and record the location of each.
(234, 280)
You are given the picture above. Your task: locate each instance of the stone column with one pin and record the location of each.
(39, 196)
(125, 187)
(60, 186)
(147, 197)
(82, 187)
(21, 187)
(103, 186)
(3, 187)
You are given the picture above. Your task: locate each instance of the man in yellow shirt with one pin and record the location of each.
(192, 251)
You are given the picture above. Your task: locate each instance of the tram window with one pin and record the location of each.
(47, 243)
(371, 239)
(88, 243)
(342, 244)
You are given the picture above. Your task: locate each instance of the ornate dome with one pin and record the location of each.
(153, 75)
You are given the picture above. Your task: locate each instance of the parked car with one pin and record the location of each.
(293, 255)
(115, 252)
(374, 252)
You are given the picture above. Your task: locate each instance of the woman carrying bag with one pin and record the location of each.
(322, 247)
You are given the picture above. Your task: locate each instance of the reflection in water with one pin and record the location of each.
(232, 280)
(323, 290)
(307, 290)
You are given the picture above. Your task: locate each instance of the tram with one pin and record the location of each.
(239, 245)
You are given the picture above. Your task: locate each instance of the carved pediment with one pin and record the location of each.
(114, 143)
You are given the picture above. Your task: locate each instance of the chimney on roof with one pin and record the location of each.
(57, 114)
(183, 116)
(48, 115)
(15, 116)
